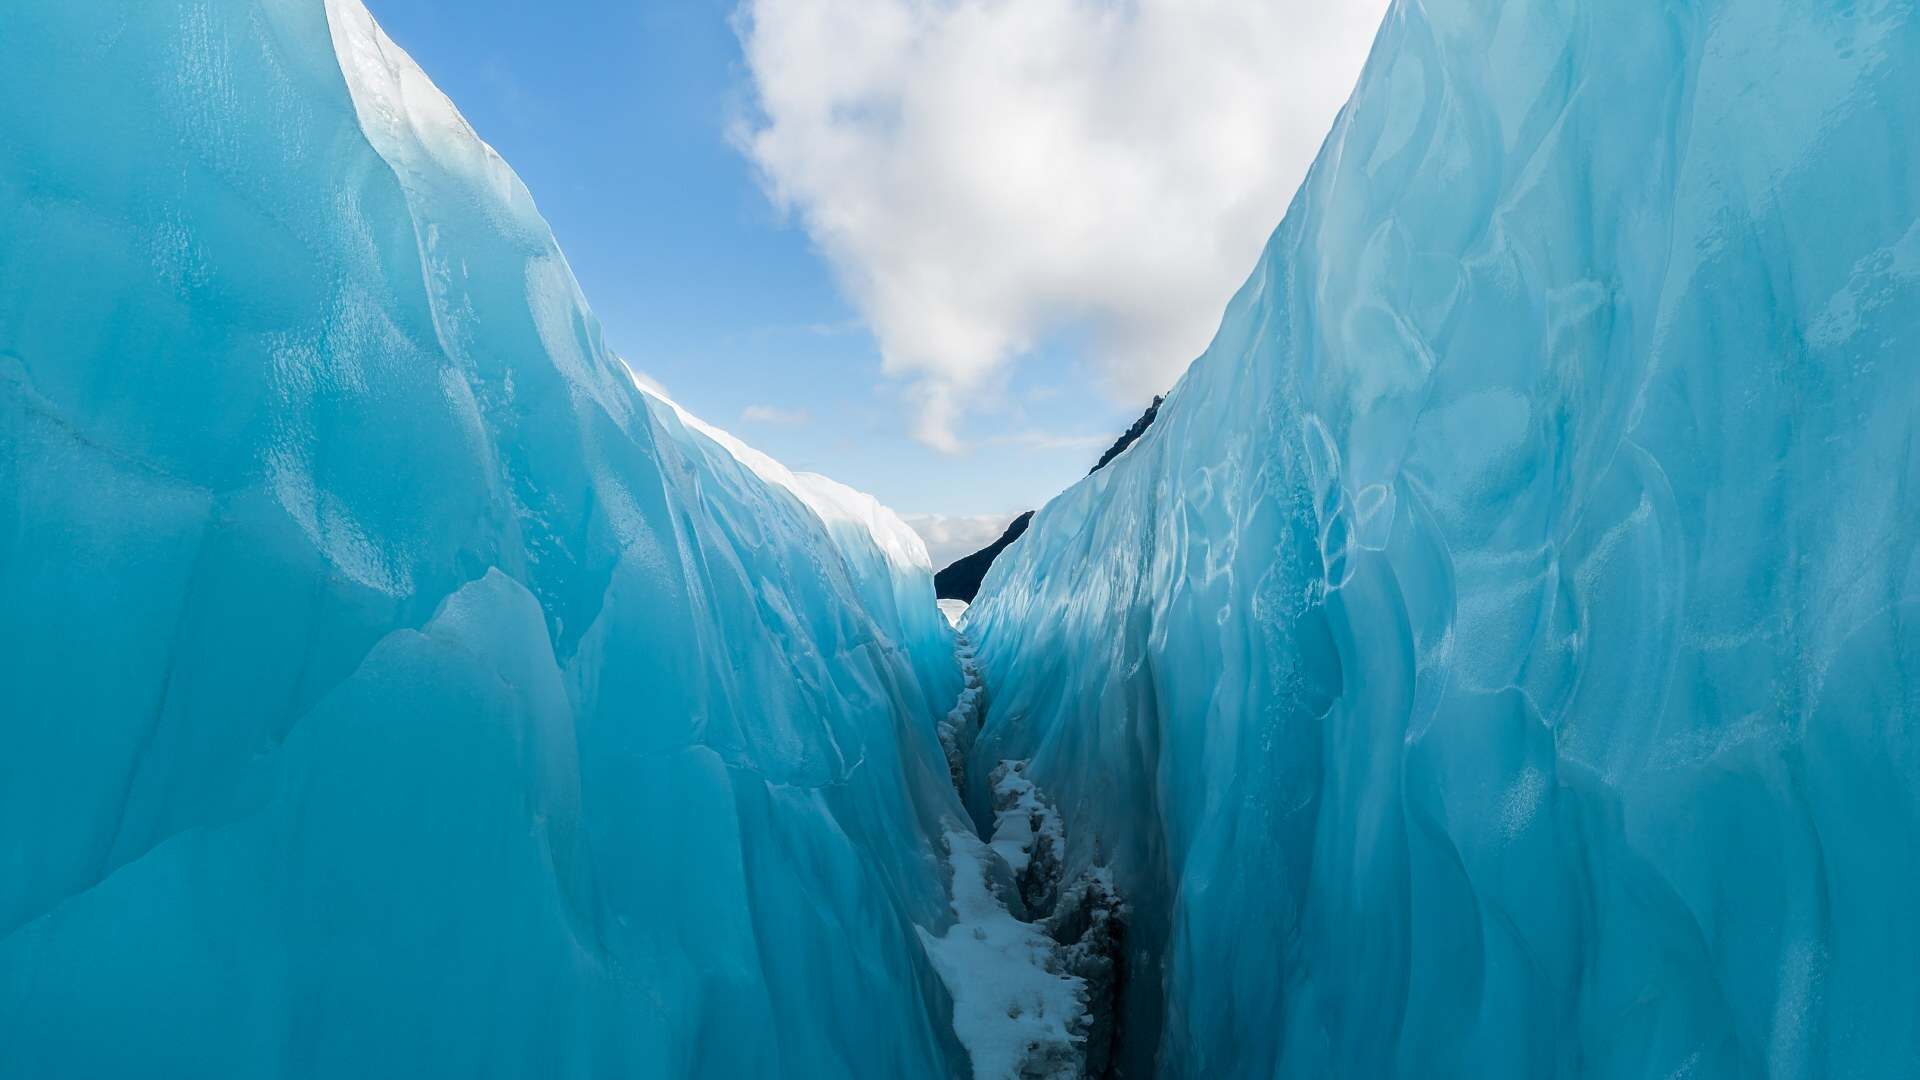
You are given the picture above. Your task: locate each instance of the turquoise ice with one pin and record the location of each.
(390, 688)
(1501, 658)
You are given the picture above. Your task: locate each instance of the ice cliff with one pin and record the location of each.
(387, 686)
(1498, 658)
(1501, 657)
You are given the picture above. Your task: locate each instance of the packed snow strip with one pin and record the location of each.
(1027, 833)
(1496, 659)
(1012, 1010)
(419, 620)
(1036, 971)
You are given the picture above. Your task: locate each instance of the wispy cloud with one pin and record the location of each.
(773, 414)
(769, 331)
(833, 329)
(981, 174)
(1048, 440)
(951, 536)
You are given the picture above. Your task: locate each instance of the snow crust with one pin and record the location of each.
(1499, 658)
(1013, 1012)
(1024, 825)
(1020, 1007)
(387, 687)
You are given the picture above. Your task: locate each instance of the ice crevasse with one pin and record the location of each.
(1501, 655)
(1498, 659)
(388, 686)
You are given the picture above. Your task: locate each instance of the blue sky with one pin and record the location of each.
(626, 120)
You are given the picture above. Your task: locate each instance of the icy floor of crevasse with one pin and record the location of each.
(1016, 1015)
(1015, 1009)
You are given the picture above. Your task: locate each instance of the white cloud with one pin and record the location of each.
(981, 173)
(950, 536)
(773, 414)
(1047, 440)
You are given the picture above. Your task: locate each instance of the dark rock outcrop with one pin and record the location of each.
(961, 580)
(1138, 429)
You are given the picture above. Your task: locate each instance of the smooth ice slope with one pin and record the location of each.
(891, 569)
(1501, 658)
(387, 687)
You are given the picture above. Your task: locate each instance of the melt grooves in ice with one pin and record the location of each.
(385, 683)
(1499, 658)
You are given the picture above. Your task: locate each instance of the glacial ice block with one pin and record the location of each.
(387, 686)
(1501, 658)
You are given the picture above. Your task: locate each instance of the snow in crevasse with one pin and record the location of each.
(1016, 1008)
(1497, 658)
(1014, 1015)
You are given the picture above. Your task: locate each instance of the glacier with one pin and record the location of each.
(1498, 658)
(1501, 657)
(390, 686)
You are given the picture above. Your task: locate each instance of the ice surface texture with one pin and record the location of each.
(1501, 657)
(387, 687)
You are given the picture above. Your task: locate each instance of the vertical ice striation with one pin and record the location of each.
(1501, 658)
(388, 687)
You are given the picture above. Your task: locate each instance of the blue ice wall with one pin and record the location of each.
(387, 687)
(1501, 658)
